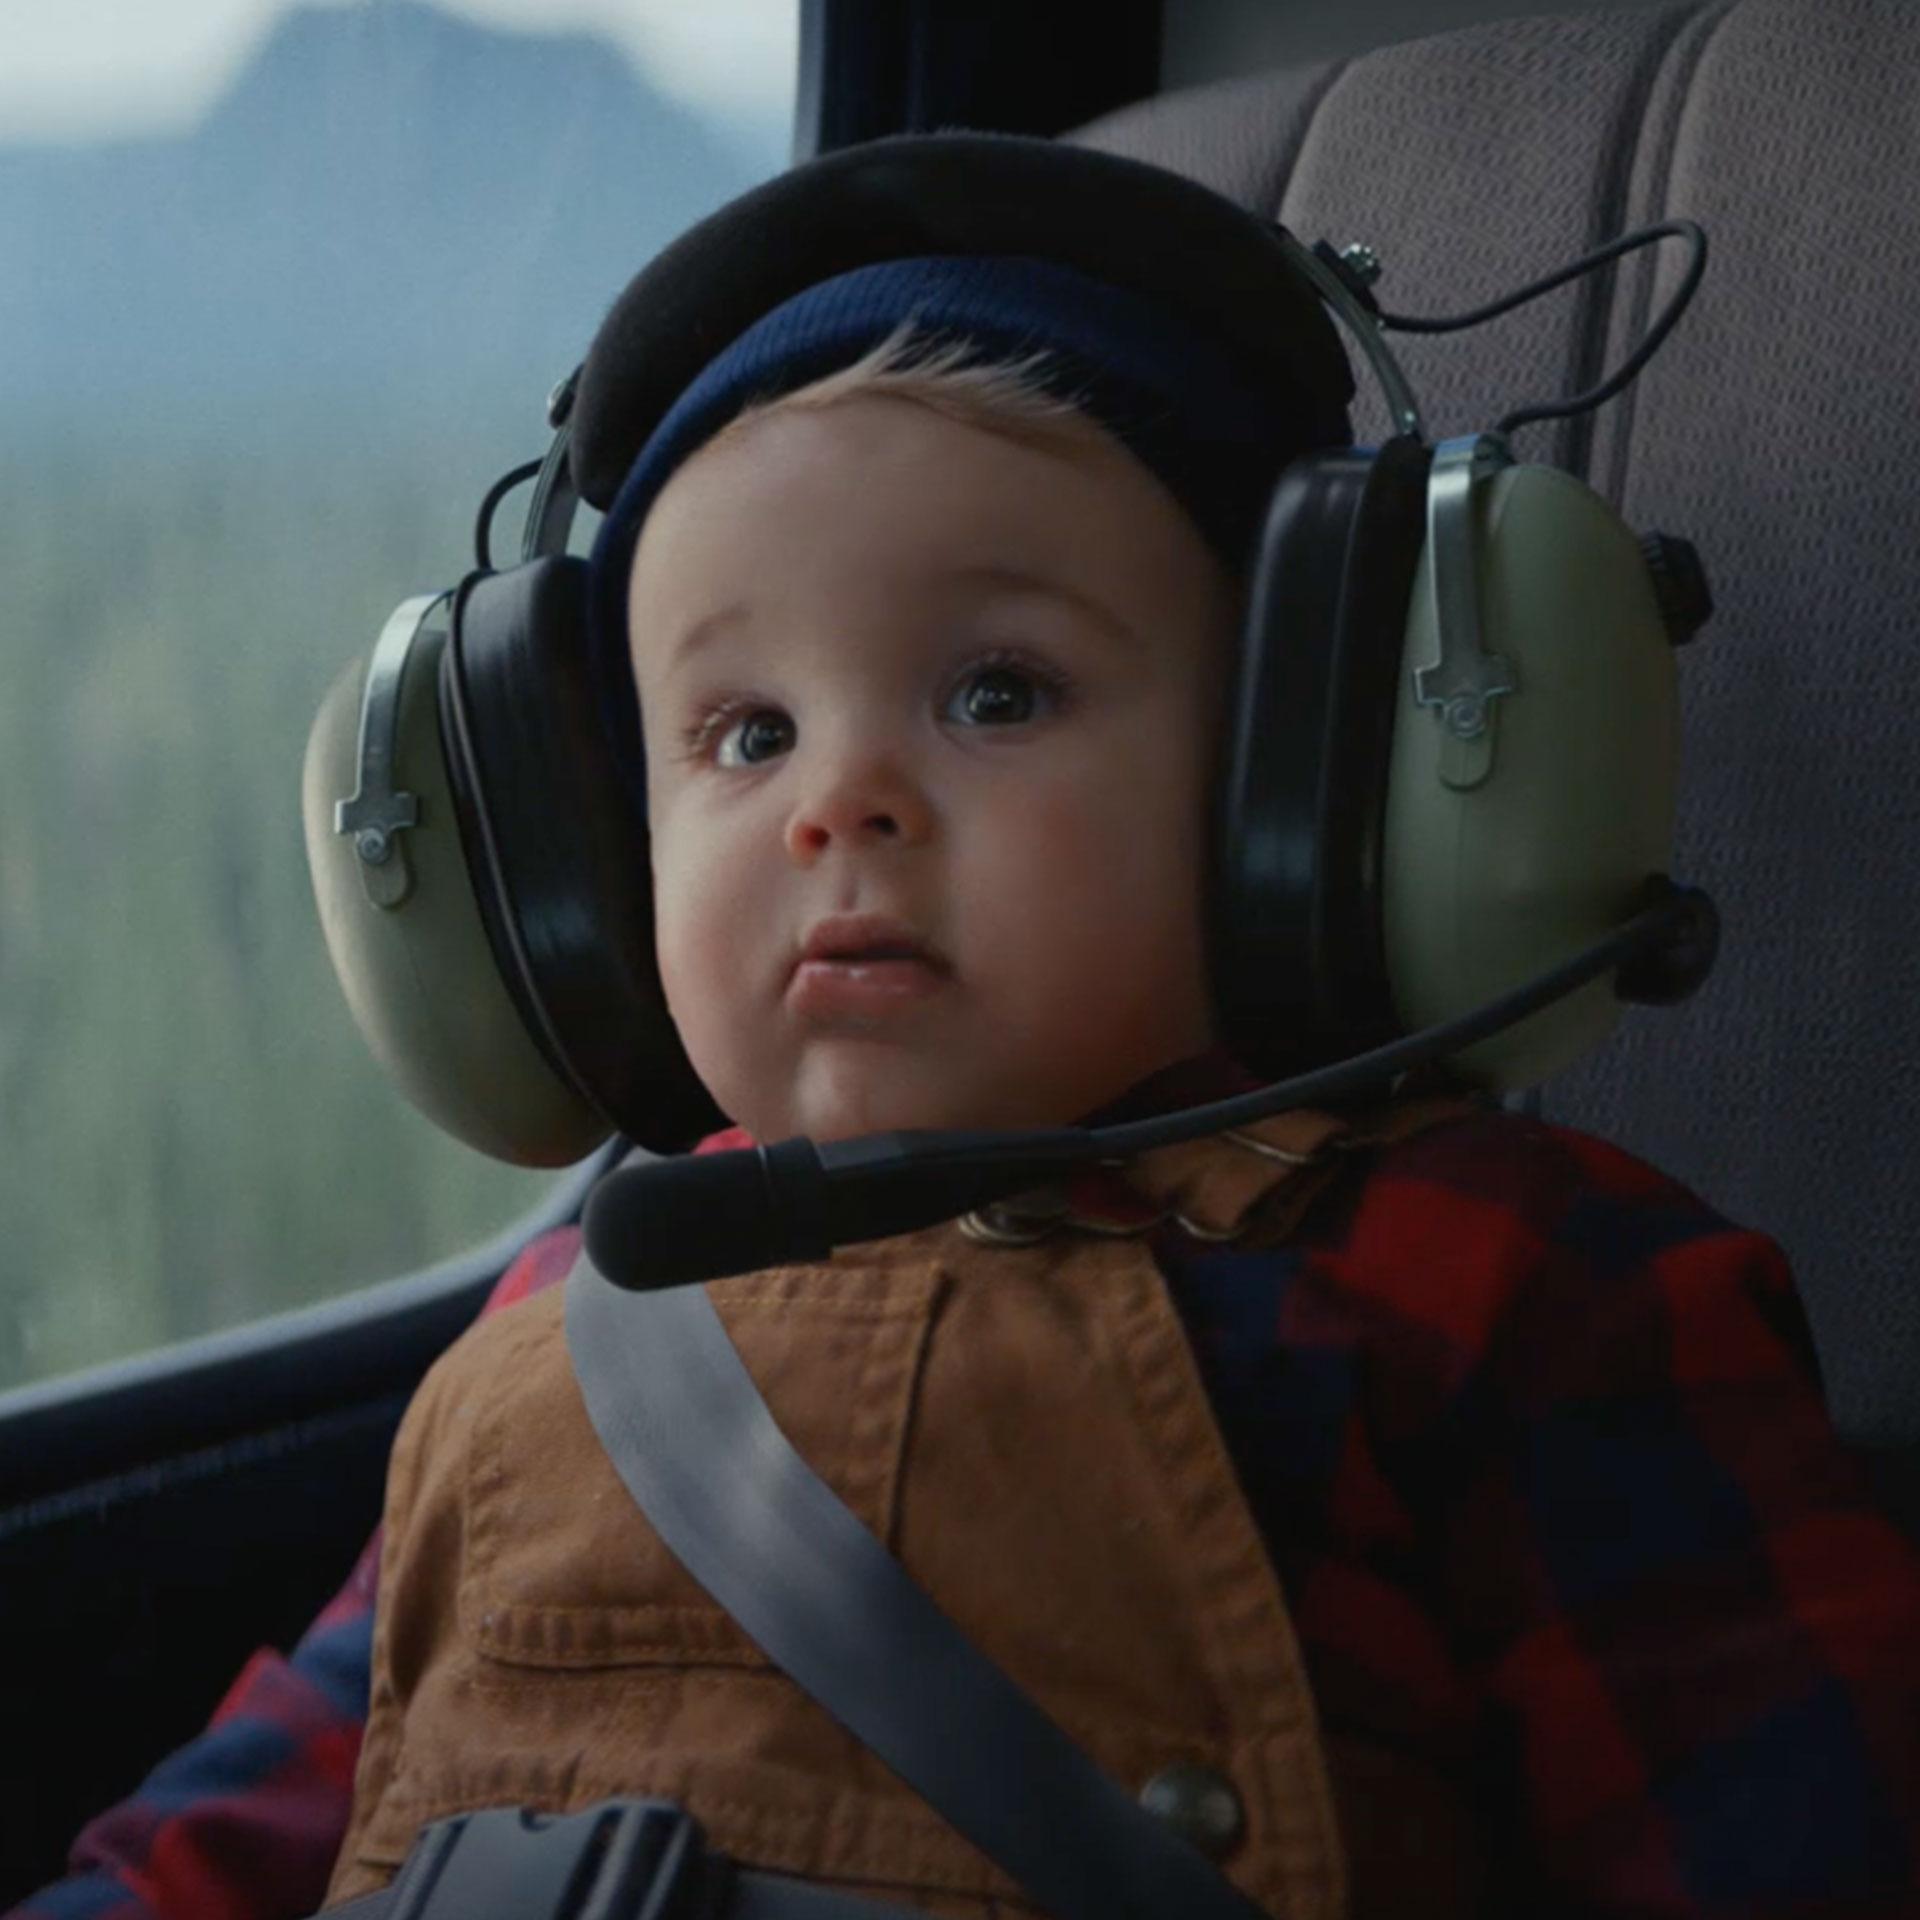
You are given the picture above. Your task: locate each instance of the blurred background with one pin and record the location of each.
(282, 290)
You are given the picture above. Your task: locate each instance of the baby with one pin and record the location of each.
(931, 671)
(1431, 1508)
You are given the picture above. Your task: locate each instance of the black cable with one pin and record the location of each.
(1665, 919)
(697, 1217)
(483, 521)
(1687, 230)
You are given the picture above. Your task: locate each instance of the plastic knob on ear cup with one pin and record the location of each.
(1672, 972)
(1679, 584)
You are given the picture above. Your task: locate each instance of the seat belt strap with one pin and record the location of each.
(698, 1449)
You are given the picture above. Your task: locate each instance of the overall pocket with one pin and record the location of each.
(559, 1567)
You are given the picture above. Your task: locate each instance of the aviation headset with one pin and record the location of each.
(1453, 749)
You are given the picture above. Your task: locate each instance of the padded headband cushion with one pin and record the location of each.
(1206, 260)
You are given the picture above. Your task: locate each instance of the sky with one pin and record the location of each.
(87, 69)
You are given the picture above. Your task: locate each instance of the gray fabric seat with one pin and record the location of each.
(1776, 429)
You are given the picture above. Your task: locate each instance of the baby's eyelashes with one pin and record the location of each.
(732, 732)
(1004, 690)
(754, 737)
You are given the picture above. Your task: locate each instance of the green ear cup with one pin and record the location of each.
(1504, 859)
(408, 941)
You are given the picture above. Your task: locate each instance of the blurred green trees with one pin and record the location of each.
(191, 1131)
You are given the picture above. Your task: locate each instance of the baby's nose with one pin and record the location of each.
(810, 833)
(867, 805)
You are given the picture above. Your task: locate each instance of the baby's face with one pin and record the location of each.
(929, 717)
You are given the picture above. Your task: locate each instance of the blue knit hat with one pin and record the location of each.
(1216, 436)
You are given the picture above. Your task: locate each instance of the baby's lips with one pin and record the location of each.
(851, 937)
(862, 988)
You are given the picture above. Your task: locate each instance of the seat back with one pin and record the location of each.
(1777, 429)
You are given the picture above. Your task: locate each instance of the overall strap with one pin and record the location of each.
(694, 1443)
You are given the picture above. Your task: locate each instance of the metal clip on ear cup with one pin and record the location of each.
(400, 913)
(377, 814)
(1463, 679)
(1489, 881)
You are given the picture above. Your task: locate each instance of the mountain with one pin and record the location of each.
(392, 211)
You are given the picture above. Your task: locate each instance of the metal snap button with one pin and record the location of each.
(1199, 1804)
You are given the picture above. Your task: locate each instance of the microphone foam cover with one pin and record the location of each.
(694, 1217)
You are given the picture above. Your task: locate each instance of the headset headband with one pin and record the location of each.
(1227, 273)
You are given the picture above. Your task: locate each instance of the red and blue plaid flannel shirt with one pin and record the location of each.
(1537, 1443)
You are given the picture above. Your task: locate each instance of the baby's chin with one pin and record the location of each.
(840, 1101)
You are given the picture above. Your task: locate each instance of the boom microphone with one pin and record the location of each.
(706, 1216)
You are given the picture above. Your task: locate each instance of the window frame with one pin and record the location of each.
(59, 1436)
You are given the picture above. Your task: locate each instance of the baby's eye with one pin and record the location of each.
(1000, 695)
(754, 737)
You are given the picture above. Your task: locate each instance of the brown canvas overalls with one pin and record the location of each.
(1025, 1427)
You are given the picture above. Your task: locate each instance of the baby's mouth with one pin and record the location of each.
(856, 940)
(864, 965)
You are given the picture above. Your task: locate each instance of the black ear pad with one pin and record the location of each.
(1295, 893)
(559, 860)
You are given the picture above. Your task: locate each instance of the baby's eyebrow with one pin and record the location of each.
(1015, 579)
(995, 578)
(703, 630)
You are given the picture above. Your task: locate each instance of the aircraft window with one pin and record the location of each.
(287, 286)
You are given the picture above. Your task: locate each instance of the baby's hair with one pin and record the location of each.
(954, 376)
(1008, 397)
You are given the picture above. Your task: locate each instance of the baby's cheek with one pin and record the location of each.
(1084, 858)
(719, 941)
(690, 940)
(715, 1036)
(1055, 886)
(1113, 917)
